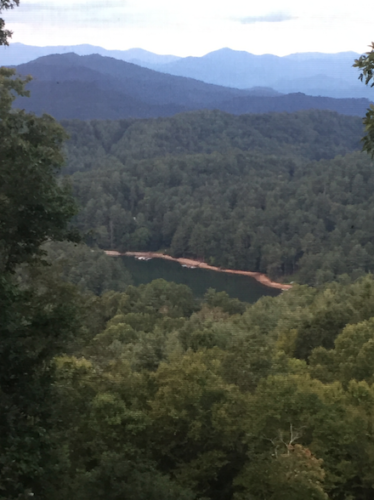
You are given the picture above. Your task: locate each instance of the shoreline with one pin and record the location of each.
(261, 278)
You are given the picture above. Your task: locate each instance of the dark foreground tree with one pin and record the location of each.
(36, 314)
(4, 33)
(366, 64)
(34, 207)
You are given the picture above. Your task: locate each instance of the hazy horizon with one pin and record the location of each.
(196, 28)
(169, 53)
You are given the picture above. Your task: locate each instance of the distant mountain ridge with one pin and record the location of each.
(19, 53)
(97, 87)
(318, 74)
(330, 75)
(85, 87)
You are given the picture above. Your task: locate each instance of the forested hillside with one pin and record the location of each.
(310, 134)
(282, 194)
(174, 400)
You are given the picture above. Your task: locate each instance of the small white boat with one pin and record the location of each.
(142, 258)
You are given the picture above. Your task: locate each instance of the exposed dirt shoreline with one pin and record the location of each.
(261, 278)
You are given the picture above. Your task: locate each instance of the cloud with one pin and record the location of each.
(75, 13)
(69, 5)
(274, 17)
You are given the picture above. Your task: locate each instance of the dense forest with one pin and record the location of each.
(158, 395)
(171, 399)
(288, 195)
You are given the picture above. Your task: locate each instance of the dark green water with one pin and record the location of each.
(199, 280)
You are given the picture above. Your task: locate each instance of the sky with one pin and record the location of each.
(196, 27)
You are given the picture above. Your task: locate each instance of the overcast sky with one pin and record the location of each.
(196, 27)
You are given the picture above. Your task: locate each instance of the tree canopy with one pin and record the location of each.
(37, 314)
(218, 403)
(34, 204)
(283, 194)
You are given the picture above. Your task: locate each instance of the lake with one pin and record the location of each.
(243, 288)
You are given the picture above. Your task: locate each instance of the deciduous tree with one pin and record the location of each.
(38, 315)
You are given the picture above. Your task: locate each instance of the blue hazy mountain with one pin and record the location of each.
(18, 53)
(87, 87)
(312, 73)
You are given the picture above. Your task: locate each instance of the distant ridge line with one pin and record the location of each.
(99, 87)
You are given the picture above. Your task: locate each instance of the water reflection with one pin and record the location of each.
(199, 280)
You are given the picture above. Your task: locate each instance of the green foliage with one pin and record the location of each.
(291, 475)
(312, 223)
(183, 400)
(36, 322)
(224, 302)
(4, 33)
(366, 64)
(38, 315)
(351, 358)
(107, 461)
(197, 422)
(215, 401)
(90, 269)
(34, 205)
(310, 134)
(334, 308)
(237, 192)
(142, 322)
